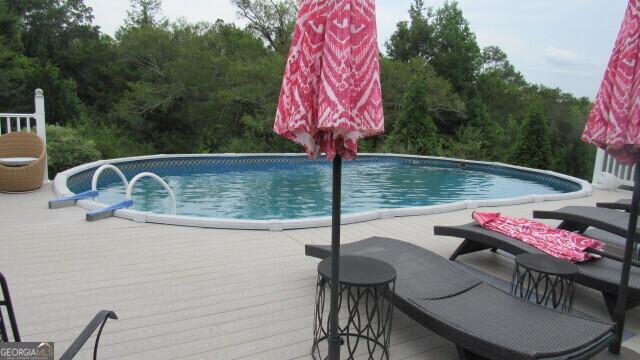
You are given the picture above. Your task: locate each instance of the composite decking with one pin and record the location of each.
(193, 293)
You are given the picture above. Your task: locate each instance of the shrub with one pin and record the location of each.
(67, 148)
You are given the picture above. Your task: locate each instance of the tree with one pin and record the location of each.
(9, 30)
(533, 148)
(412, 39)
(144, 13)
(49, 26)
(415, 131)
(456, 55)
(272, 20)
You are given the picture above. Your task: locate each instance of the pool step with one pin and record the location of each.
(108, 211)
(71, 199)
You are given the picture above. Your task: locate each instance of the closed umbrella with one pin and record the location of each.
(331, 98)
(614, 125)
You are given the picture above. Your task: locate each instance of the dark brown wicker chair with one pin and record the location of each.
(22, 178)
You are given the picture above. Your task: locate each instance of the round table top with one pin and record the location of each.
(547, 264)
(360, 271)
(17, 161)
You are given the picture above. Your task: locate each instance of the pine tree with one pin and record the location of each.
(415, 132)
(533, 148)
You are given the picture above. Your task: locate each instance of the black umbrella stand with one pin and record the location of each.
(334, 337)
(621, 304)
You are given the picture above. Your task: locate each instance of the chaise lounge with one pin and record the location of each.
(622, 204)
(481, 320)
(579, 218)
(602, 274)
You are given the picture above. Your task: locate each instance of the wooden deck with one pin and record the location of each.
(191, 293)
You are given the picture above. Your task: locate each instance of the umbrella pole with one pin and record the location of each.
(334, 337)
(621, 303)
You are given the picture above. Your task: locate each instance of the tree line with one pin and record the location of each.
(160, 86)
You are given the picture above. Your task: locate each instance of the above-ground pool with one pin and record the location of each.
(273, 190)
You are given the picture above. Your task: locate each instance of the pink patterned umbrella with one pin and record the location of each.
(614, 125)
(331, 98)
(331, 95)
(614, 122)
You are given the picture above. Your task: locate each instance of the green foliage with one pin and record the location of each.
(412, 39)
(533, 148)
(270, 20)
(161, 87)
(467, 144)
(144, 13)
(66, 148)
(456, 55)
(415, 132)
(443, 38)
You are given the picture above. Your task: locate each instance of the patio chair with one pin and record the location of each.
(601, 274)
(580, 218)
(622, 204)
(481, 320)
(27, 177)
(98, 321)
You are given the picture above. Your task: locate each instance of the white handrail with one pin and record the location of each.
(607, 166)
(38, 116)
(96, 175)
(158, 179)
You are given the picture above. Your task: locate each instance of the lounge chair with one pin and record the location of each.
(99, 320)
(579, 218)
(481, 320)
(602, 274)
(622, 204)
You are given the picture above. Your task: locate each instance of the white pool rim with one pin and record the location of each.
(61, 189)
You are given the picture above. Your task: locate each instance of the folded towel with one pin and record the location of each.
(559, 243)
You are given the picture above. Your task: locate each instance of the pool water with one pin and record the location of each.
(303, 189)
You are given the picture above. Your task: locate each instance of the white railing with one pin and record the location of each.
(607, 166)
(12, 122)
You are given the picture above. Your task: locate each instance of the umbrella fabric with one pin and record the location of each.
(330, 96)
(559, 243)
(614, 120)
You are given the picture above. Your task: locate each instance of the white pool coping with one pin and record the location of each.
(61, 189)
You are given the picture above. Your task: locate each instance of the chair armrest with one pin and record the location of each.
(98, 321)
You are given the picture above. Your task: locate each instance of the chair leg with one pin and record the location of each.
(468, 246)
(464, 354)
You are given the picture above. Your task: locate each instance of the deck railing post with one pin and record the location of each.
(41, 127)
(597, 168)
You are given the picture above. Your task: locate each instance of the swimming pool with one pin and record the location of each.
(275, 189)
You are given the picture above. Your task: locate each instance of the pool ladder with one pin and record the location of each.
(109, 210)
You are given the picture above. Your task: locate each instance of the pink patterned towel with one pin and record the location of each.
(559, 243)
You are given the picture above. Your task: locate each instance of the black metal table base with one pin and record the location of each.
(365, 322)
(552, 290)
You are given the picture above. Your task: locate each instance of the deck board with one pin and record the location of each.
(192, 293)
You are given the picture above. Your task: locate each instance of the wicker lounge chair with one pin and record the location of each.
(481, 320)
(622, 204)
(98, 322)
(602, 274)
(22, 178)
(580, 218)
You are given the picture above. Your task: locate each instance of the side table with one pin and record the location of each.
(547, 280)
(365, 310)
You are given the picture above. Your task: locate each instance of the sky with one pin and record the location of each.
(557, 43)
